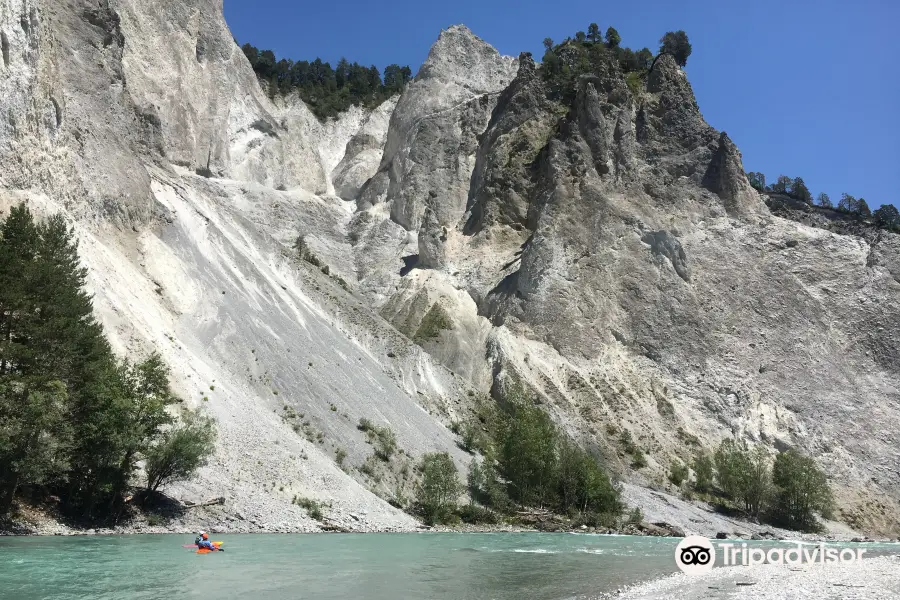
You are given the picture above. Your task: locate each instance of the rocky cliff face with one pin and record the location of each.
(615, 259)
(188, 188)
(602, 247)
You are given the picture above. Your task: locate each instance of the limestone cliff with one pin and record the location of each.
(615, 258)
(143, 123)
(601, 246)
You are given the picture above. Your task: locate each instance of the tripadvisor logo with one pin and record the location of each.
(696, 555)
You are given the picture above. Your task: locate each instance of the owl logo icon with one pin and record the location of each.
(695, 555)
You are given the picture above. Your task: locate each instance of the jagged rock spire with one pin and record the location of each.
(725, 177)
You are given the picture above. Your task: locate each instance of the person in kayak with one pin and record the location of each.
(203, 542)
(199, 538)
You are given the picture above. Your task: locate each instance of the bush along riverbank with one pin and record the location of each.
(527, 473)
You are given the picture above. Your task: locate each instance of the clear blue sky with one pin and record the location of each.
(807, 88)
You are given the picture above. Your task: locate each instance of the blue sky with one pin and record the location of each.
(805, 88)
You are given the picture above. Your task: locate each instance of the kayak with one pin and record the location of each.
(216, 544)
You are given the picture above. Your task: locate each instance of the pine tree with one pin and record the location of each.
(593, 33)
(66, 336)
(782, 185)
(18, 247)
(824, 200)
(847, 203)
(645, 58)
(48, 329)
(862, 209)
(252, 54)
(676, 43)
(72, 417)
(34, 436)
(613, 39)
(800, 191)
(887, 216)
(342, 72)
(757, 180)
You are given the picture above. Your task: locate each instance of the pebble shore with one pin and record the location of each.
(872, 579)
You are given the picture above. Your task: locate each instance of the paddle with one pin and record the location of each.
(216, 544)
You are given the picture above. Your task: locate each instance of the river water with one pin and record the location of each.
(502, 566)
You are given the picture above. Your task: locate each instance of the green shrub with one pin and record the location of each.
(385, 443)
(339, 456)
(528, 462)
(678, 473)
(744, 475)
(802, 490)
(626, 441)
(582, 484)
(594, 519)
(636, 516)
(703, 472)
(635, 82)
(469, 437)
(382, 437)
(477, 515)
(313, 508)
(638, 461)
(434, 321)
(180, 451)
(439, 489)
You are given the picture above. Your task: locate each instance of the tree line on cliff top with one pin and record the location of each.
(325, 89)
(328, 90)
(886, 217)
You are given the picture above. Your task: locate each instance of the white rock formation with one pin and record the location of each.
(111, 110)
(606, 251)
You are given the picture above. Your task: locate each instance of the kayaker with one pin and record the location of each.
(204, 542)
(199, 538)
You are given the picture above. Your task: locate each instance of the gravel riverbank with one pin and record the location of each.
(872, 579)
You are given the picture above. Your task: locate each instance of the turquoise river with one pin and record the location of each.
(432, 566)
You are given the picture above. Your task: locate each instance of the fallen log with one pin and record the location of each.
(220, 500)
